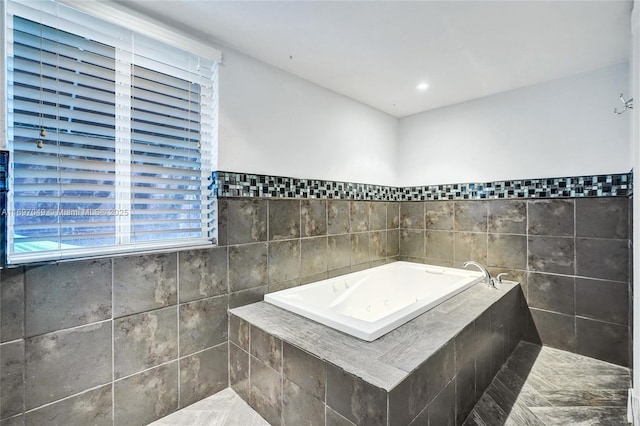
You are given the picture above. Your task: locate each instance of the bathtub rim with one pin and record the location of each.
(366, 330)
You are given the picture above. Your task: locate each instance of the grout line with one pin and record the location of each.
(178, 321)
(67, 329)
(119, 379)
(64, 399)
(113, 346)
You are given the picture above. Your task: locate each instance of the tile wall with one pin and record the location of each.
(572, 256)
(127, 340)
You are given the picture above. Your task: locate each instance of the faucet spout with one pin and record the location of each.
(487, 276)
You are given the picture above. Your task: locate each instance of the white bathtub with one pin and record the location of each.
(371, 303)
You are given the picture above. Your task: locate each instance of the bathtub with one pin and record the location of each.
(371, 303)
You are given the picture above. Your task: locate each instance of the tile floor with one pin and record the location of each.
(541, 386)
(538, 386)
(225, 408)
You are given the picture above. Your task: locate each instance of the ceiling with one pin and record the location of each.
(376, 52)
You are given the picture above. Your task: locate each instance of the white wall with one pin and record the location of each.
(272, 122)
(560, 128)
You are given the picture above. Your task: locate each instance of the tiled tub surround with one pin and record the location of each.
(127, 340)
(571, 255)
(432, 369)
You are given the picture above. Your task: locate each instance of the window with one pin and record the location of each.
(112, 138)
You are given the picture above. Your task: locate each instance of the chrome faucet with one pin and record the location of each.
(487, 276)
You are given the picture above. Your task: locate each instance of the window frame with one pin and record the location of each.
(159, 34)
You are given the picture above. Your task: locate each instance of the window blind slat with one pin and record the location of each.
(98, 106)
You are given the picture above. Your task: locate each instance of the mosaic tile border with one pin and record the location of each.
(232, 184)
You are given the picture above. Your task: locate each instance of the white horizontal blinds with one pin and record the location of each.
(130, 128)
(165, 156)
(63, 96)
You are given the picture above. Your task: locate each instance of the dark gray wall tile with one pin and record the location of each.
(283, 285)
(555, 330)
(483, 354)
(313, 218)
(65, 362)
(377, 215)
(393, 215)
(147, 396)
(247, 266)
(313, 278)
(551, 217)
(606, 259)
(266, 392)
(393, 242)
(377, 245)
(246, 221)
(412, 215)
(203, 374)
(466, 346)
(422, 418)
(202, 273)
(442, 410)
(284, 261)
(470, 246)
(142, 283)
(507, 216)
(223, 218)
(507, 251)
(305, 370)
(90, 408)
(11, 378)
(246, 297)
(144, 340)
(266, 347)
(439, 215)
(602, 218)
(439, 245)
(470, 216)
(300, 408)
(203, 324)
(313, 256)
(551, 254)
(551, 292)
(239, 371)
(338, 217)
(284, 219)
(409, 397)
(441, 367)
(64, 295)
(359, 216)
(359, 248)
(13, 421)
(602, 300)
(355, 399)
(465, 391)
(601, 340)
(412, 243)
(11, 304)
(239, 332)
(339, 252)
(334, 419)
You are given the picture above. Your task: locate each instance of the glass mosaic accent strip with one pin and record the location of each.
(231, 184)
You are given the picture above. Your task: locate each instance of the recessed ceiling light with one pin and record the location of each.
(422, 87)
